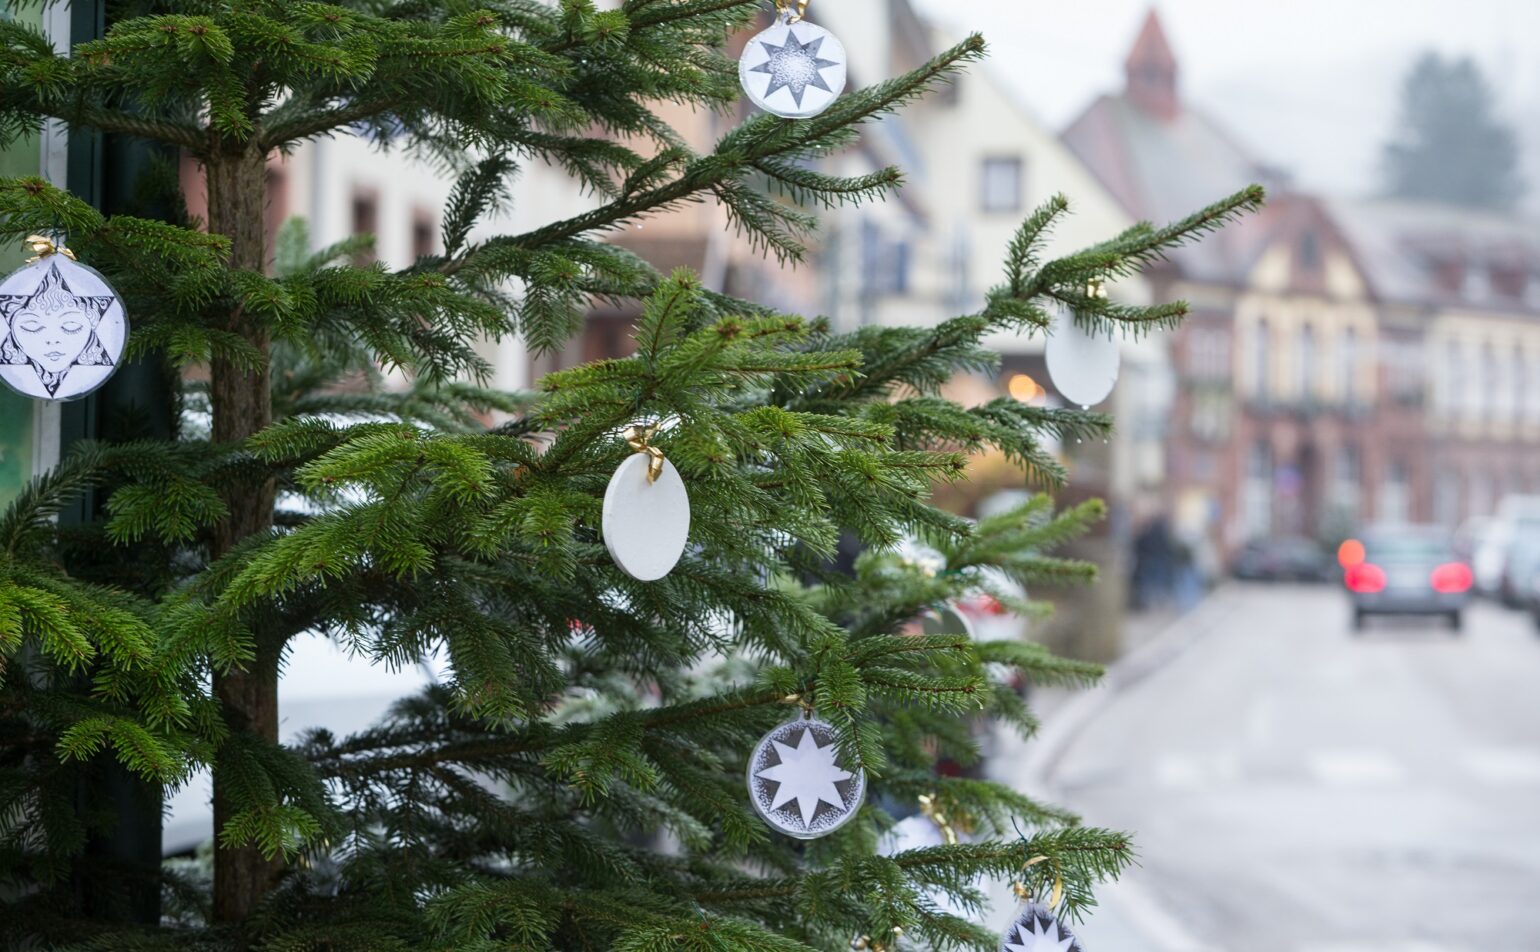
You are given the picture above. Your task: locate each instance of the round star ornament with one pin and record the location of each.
(1082, 363)
(797, 783)
(64, 326)
(646, 513)
(1037, 929)
(794, 69)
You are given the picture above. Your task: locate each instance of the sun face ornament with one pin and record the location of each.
(798, 785)
(64, 327)
(794, 69)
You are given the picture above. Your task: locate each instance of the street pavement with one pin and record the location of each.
(1296, 787)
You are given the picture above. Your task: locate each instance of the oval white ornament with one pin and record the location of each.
(645, 523)
(1083, 366)
(64, 329)
(796, 783)
(794, 70)
(1037, 929)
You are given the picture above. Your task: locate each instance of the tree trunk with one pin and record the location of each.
(242, 405)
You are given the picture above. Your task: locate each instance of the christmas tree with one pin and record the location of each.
(579, 782)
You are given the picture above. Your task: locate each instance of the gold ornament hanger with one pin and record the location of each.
(42, 247)
(792, 10)
(640, 440)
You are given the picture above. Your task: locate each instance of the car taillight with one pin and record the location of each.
(1451, 578)
(1350, 553)
(1364, 578)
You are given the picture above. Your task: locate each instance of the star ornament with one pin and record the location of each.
(793, 70)
(1036, 930)
(795, 767)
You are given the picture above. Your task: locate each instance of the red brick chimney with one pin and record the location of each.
(1150, 71)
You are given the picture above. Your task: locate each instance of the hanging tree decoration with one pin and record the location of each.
(1083, 363)
(1036, 927)
(646, 513)
(794, 69)
(64, 325)
(797, 783)
(946, 618)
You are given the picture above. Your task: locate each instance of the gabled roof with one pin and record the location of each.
(1163, 169)
(1162, 159)
(1404, 246)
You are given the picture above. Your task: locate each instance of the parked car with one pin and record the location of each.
(1517, 518)
(1282, 559)
(1524, 570)
(1407, 570)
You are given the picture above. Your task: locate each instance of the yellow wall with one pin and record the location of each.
(1286, 314)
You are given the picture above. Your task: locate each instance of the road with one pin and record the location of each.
(1298, 788)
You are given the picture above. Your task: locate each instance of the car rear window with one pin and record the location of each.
(1407, 548)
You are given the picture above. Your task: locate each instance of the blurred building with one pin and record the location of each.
(1162, 160)
(1345, 362)
(1457, 293)
(346, 185)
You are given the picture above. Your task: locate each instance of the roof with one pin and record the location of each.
(1403, 246)
(1163, 169)
(1151, 48)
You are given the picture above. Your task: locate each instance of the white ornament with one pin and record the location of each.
(946, 620)
(64, 329)
(1083, 365)
(793, 69)
(646, 522)
(1037, 929)
(797, 784)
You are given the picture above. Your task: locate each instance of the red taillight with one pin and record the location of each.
(1452, 578)
(1364, 578)
(1350, 552)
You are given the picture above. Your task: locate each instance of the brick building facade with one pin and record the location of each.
(1345, 362)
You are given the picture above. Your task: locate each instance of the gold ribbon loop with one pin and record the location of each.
(640, 440)
(792, 10)
(42, 247)
(930, 807)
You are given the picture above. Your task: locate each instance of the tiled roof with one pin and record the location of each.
(1407, 249)
(1164, 169)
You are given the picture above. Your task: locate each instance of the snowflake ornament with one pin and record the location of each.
(793, 69)
(1037, 929)
(797, 784)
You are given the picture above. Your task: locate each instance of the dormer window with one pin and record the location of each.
(1309, 252)
(1477, 282)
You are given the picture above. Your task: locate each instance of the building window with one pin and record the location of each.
(1309, 251)
(1515, 409)
(424, 234)
(1001, 189)
(1446, 498)
(366, 221)
(1455, 382)
(1490, 395)
(1347, 370)
(1257, 496)
(1480, 501)
(1345, 482)
(1531, 386)
(1208, 354)
(1304, 365)
(1261, 359)
(1395, 493)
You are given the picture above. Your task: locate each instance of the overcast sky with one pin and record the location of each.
(1310, 85)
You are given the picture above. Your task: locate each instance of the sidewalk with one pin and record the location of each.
(1128, 917)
